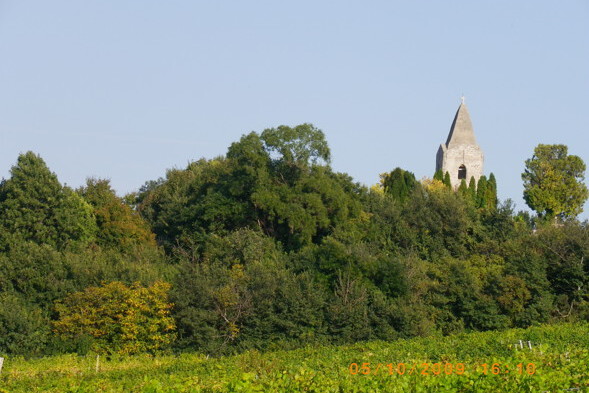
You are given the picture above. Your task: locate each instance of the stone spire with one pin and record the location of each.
(460, 156)
(461, 132)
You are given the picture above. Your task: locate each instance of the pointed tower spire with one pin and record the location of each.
(461, 132)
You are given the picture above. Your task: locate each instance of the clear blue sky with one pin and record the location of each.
(125, 89)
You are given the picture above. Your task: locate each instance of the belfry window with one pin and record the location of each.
(462, 172)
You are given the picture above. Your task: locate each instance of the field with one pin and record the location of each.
(554, 358)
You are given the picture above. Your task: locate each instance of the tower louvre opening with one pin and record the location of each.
(462, 172)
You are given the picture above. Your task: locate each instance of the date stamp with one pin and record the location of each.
(435, 369)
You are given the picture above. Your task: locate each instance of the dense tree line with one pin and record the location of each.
(267, 247)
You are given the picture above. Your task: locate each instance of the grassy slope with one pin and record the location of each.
(560, 354)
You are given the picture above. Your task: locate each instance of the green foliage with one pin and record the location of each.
(437, 223)
(241, 294)
(35, 207)
(499, 224)
(525, 260)
(491, 194)
(439, 175)
(271, 182)
(307, 211)
(299, 146)
(169, 205)
(118, 225)
(565, 249)
(268, 248)
(553, 182)
(348, 312)
(481, 361)
(465, 291)
(390, 277)
(399, 184)
(472, 190)
(481, 198)
(35, 272)
(463, 189)
(447, 181)
(120, 319)
(23, 326)
(97, 265)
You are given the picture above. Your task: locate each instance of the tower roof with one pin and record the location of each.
(461, 132)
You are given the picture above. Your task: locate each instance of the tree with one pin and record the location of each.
(472, 190)
(168, 205)
(34, 206)
(398, 183)
(553, 182)
(491, 193)
(118, 225)
(348, 310)
(240, 294)
(272, 182)
(300, 145)
(37, 272)
(438, 222)
(463, 189)
(119, 318)
(565, 248)
(481, 198)
(23, 327)
(447, 181)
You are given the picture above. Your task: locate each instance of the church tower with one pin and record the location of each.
(460, 156)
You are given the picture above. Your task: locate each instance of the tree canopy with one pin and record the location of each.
(118, 225)
(553, 182)
(118, 318)
(277, 182)
(34, 206)
(398, 183)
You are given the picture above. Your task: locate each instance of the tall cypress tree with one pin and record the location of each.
(492, 192)
(463, 188)
(398, 187)
(439, 175)
(482, 192)
(472, 190)
(410, 181)
(447, 181)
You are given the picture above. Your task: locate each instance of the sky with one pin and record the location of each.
(124, 89)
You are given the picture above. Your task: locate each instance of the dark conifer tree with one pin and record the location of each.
(492, 192)
(482, 192)
(447, 181)
(463, 188)
(472, 190)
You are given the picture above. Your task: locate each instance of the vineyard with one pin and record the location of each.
(551, 358)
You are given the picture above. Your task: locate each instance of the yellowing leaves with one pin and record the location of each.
(121, 319)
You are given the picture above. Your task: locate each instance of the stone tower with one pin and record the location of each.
(460, 156)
